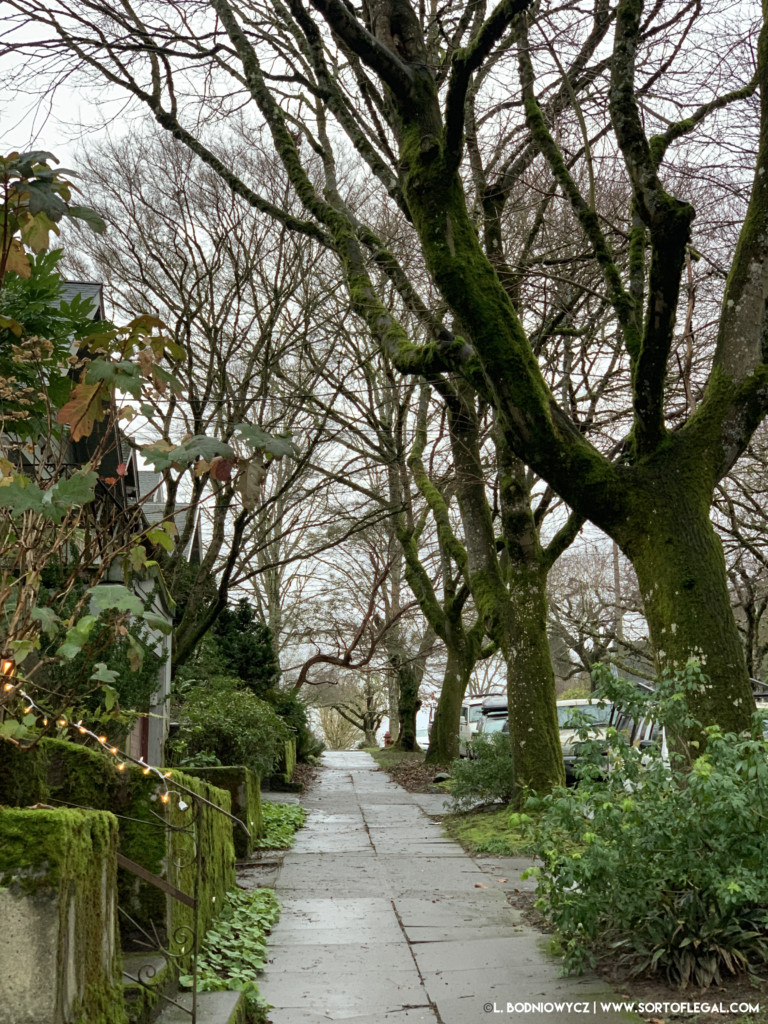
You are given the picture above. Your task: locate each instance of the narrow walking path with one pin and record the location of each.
(386, 920)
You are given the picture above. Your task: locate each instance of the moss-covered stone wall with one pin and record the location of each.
(58, 942)
(244, 788)
(58, 771)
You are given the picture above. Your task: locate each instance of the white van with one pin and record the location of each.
(471, 715)
(599, 712)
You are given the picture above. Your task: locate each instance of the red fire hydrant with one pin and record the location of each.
(387, 739)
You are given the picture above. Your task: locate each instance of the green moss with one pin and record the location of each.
(244, 789)
(69, 856)
(488, 832)
(75, 774)
(290, 759)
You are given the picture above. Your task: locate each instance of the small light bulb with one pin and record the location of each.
(167, 775)
(27, 710)
(121, 767)
(102, 739)
(183, 805)
(113, 750)
(147, 771)
(165, 798)
(62, 722)
(8, 686)
(45, 721)
(82, 730)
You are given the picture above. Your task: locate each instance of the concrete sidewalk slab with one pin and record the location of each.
(385, 921)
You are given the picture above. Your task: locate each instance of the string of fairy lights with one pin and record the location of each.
(121, 758)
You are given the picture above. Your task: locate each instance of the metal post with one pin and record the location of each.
(196, 912)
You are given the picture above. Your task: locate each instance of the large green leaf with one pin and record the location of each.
(157, 622)
(115, 597)
(20, 495)
(59, 389)
(102, 674)
(47, 618)
(76, 637)
(123, 376)
(77, 489)
(91, 218)
(259, 439)
(167, 378)
(198, 447)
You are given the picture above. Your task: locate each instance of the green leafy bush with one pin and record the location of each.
(232, 724)
(667, 861)
(281, 821)
(486, 776)
(234, 950)
(288, 706)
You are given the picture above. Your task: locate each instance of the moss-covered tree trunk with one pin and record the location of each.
(680, 567)
(444, 738)
(408, 681)
(533, 729)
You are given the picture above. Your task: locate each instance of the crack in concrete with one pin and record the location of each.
(432, 1005)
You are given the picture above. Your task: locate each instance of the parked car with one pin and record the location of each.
(570, 716)
(471, 716)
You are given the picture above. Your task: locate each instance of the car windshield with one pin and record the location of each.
(570, 717)
(475, 713)
(496, 725)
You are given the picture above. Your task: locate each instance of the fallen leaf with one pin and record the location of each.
(502, 879)
(110, 480)
(479, 885)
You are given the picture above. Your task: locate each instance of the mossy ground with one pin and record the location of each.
(488, 831)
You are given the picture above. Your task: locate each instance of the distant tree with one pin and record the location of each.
(339, 732)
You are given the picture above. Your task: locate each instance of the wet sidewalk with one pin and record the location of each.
(386, 920)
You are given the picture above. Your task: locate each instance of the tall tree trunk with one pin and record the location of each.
(393, 696)
(444, 739)
(534, 733)
(681, 570)
(409, 668)
(533, 728)
(409, 680)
